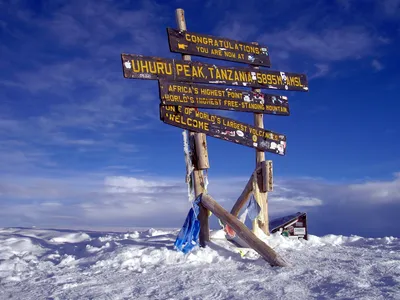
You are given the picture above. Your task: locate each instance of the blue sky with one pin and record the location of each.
(82, 146)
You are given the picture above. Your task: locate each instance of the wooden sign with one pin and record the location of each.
(155, 68)
(206, 96)
(216, 47)
(223, 128)
(267, 176)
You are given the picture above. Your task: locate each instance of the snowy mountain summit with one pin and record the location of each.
(68, 264)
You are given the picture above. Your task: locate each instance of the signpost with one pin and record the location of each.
(155, 68)
(185, 86)
(208, 96)
(216, 47)
(223, 128)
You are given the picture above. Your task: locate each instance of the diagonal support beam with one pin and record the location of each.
(244, 197)
(243, 232)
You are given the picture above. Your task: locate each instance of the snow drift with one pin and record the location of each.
(66, 264)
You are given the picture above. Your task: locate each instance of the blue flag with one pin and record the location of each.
(253, 208)
(188, 236)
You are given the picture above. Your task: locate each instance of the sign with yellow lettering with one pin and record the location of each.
(155, 68)
(216, 47)
(206, 96)
(223, 128)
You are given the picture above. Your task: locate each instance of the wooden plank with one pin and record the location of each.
(214, 97)
(223, 128)
(243, 232)
(204, 45)
(267, 176)
(264, 171)
(155, 68)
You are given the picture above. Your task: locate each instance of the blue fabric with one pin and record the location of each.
(253, 208)
(188, 236)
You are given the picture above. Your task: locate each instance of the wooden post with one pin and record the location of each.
(259, 195)
(199, 144)
(243, 232)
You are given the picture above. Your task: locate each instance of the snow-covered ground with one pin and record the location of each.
(67, 264)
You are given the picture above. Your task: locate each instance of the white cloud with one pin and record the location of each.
(102, 200)
(233, 29)
(391, 7)
(377, 65)
(122, 184)
(328, 45)
(81, 142)
(84, 101)
(322, 70)
(379, 191)
(346, 4)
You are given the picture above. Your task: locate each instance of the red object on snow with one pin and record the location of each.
(229, 231)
